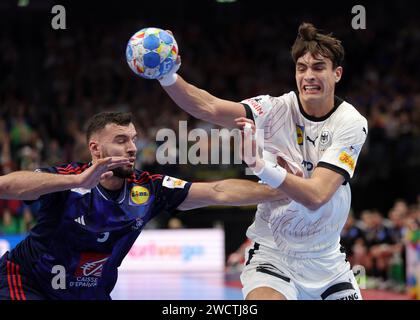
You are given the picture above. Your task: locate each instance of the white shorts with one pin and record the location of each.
(326, 278)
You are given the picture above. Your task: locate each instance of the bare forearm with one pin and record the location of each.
(231, 192)
(27, 185)
(312, 192)
(191, 99)
(304, 191)
(238, 192)
(202, 105)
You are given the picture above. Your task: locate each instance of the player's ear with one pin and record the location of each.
(94, 148)
(338, 72)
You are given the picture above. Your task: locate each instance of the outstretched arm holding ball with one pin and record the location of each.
(152, 53)
(201, 104)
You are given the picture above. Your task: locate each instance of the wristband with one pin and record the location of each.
(272, 174)
(168, 80)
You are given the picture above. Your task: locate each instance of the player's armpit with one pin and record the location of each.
(232, 192)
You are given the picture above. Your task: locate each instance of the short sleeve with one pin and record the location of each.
(170, 193)
(347, 143)
(259, 106)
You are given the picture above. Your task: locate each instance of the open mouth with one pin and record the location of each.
(311, 88)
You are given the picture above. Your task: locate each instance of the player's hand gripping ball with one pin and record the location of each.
(151, 53)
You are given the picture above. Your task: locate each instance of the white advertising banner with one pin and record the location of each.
(177, 250)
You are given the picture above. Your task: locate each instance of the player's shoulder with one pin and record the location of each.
(263, 104)
(148, 180)
(348, 115)
(66, 168)
(287, 99)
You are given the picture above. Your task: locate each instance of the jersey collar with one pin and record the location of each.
(120, 198)
(337, 102)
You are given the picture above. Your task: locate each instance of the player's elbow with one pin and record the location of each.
(220, 198)
(6, 191)
(6, 188)
(313, 206)
(315, 202)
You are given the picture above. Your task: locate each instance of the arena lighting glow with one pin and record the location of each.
(225, 1)
(23, 3)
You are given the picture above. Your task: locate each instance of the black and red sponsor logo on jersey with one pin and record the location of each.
(256, 105)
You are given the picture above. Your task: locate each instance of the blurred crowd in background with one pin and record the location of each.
(51, 82)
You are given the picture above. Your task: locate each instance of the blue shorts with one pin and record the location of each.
(15, 284)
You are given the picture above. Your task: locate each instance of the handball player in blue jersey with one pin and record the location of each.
(90, 214)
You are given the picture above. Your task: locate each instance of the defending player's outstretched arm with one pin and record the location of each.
(28, 185)
(232, 192)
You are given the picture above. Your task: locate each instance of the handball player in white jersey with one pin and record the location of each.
(312, 140)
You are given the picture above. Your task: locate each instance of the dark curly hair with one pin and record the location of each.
(310, 39)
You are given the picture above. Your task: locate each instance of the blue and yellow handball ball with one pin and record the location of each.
(151, 52)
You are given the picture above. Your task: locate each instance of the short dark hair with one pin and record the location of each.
(100, 120)
(310, 39)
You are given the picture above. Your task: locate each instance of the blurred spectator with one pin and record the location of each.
(15, 217)
(397, 216)
(354, 242)
(378, 241)
(175, 223)
(9, 224)
(236, 260)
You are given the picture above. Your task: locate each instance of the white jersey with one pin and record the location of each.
(333, 141)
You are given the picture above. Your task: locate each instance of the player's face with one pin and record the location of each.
(115, 140)
(316, 78)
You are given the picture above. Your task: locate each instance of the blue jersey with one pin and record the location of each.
(89, 232)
